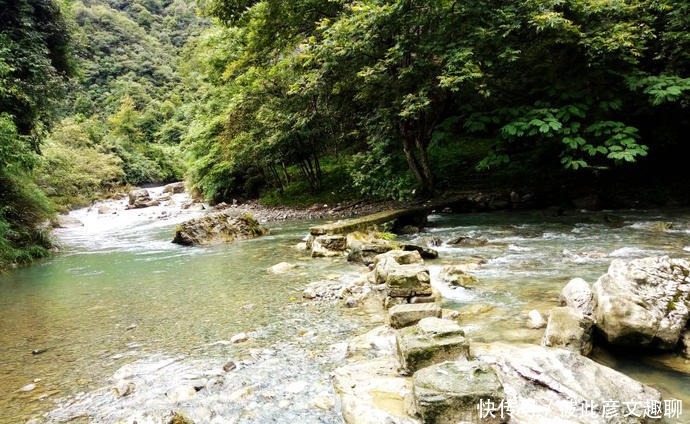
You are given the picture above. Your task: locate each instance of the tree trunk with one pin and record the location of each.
(417, 157)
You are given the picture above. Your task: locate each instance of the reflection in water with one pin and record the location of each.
(126, 294)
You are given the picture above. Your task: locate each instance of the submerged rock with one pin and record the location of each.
(544, 384)
(324, 290)
(450, 392)
(643, 302)
(181, 393)
(124, 388)
(223, 226)
(282, 268)
(457, 275)
(466, 241)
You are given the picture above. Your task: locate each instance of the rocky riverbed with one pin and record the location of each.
(259, 330)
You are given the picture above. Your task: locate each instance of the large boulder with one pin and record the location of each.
(450, 393)
(547, 385)
(223, 226)
(568, 328)
(431, 341)
(174, 188)
(404, 315)
(643, 302)
(140, 198)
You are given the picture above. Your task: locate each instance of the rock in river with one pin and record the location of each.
(140, 199)
(547, 385)
(643, 302)
(578, 295)
(432, 340)
(449, 393)
(220, 226)
(404, 315)
(457, 275)
(568, 328)
(372, 392)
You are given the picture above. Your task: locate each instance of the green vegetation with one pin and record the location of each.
(425, 94)
(324, 101)
(124, 108)
(33, 63)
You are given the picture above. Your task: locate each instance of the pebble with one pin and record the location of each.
(124, 388)
(239, 338)
(536, 321)
(351, 302)
(231, 365)
(28, 388)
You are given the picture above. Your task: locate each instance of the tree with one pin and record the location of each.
(34, 45)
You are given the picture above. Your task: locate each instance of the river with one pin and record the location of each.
(122, 300)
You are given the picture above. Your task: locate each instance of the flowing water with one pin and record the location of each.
(122, 300)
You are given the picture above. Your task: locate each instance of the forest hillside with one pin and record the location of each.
(319, 100)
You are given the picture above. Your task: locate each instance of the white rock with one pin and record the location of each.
(28, 388)
(643, 302)
(547, 382)
(281, 268)
(536, 320)
(578, 295)
(239, 338)
(181, 393)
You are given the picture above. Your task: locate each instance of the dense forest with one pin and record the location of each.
(296, 101)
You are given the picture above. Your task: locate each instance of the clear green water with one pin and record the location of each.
(111, 299)
(120, 294)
